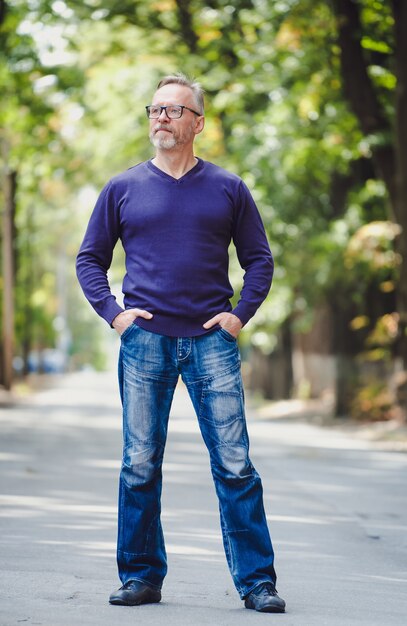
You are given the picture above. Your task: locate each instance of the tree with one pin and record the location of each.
(386, 127)
(280, 113)
(33, 154)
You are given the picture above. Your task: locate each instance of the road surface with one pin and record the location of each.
(336, 507)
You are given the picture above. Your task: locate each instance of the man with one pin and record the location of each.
(176, 215)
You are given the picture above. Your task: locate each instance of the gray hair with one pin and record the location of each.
(193, 85)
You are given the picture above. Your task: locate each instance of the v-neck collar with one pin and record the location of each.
(196, 168)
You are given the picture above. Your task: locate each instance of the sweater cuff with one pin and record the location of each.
(111, 310)
(243, 311)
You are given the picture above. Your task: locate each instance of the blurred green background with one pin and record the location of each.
(304, 100)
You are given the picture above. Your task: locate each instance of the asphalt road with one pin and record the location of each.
(336, 507)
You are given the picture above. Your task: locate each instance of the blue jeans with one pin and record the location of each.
(149, 367)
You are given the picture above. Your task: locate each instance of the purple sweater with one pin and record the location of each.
(176, 234)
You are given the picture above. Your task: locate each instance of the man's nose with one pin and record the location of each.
(163, 115)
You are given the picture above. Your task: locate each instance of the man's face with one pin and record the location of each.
(167, 134)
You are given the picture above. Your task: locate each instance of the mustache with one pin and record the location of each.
(161, 127)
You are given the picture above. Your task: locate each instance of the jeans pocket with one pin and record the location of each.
(226, 335)
(127, 330)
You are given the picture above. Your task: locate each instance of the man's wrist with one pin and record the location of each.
(112, 311)
(241, 312)
(237, 318)
(114, 321)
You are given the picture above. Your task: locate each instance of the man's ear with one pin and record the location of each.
(199, 126)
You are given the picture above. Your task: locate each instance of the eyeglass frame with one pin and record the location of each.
(164, 108)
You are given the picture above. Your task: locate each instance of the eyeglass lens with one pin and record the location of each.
(172, 111)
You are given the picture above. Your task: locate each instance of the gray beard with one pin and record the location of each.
(163, 143)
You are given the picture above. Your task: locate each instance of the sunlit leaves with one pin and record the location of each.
(373, 244)
(276, 115)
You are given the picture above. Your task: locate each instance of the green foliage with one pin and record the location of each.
(373, 402)
(77, 77)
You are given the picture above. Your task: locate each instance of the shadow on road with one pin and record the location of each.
(336, 508)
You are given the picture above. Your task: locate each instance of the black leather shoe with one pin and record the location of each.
(135, 592)
(264, 598)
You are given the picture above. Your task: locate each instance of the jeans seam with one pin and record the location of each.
(235, 366)
(144, 376)
(210, 379)
(226, 444)
(133, 553)
(142, 442)
(231, 555)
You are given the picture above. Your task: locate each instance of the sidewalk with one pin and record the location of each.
(336, 507)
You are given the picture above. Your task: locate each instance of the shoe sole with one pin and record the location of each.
(267, 609)
(122, 602)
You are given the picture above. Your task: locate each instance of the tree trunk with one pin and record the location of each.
(390, 160)
(272, 374)
(185, 21)
(400, 17)
(28, 281)
(10, 178)
(361, 95)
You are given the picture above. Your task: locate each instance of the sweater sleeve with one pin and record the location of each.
(96, 253)
(254, 255)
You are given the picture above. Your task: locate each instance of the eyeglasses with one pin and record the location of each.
(173, 111)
